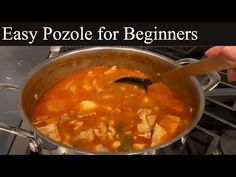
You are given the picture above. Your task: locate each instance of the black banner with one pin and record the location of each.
(118, 33)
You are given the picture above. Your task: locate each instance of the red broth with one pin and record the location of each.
(88, 110)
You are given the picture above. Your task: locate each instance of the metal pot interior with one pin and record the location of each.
(50, 72)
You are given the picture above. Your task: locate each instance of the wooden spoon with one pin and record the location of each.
(203, 66)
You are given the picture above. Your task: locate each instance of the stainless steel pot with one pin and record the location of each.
(51, 71)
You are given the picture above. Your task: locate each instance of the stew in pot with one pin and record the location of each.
(88, 110)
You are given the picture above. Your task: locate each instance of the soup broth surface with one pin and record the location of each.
(88, 110)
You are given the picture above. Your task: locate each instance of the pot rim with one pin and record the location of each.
(87, 49)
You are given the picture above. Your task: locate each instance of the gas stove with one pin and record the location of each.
(215, 134)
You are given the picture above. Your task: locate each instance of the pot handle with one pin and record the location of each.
(9, 86)
(35, 143)
(210, 80)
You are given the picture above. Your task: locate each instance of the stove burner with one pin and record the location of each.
(228, 143)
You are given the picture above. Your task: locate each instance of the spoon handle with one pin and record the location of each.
(203, 66)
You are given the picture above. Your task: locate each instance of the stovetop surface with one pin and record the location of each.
(215, 133)
(15, 63)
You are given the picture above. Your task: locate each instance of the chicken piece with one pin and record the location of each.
(41, 118)
(86, 136)
(52, 120)
(73, 88)
(87, 87)
(112, 130)
(123, 89)
(173, 118)
(128, 133)
(91, 74)
(102, 128)
(44, 120)
(96, 86)
(67, 143)
(51, 131)
(116, 110)
(66, 137)
(107, 96)
(86, 115)
(68, 85)
(151, 119)
(101, 148)
(143, 112)
(103, 137)
(65, 117)
(147, 122)
(96, 132)
(146, 99)
(111, 122)
(103, 118)
(103, 133)
(78, 125)
(138, 146)
(145, 135)
(116, 144)
(111, 70)
(143, 127)
(87, 106)
(130, 95)
(36, 97)
(108, 108)
(109, 136)
(56, 105)
(158, 133)
(135, 87)
(72, 122)
(169, 125)
(37, 123)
